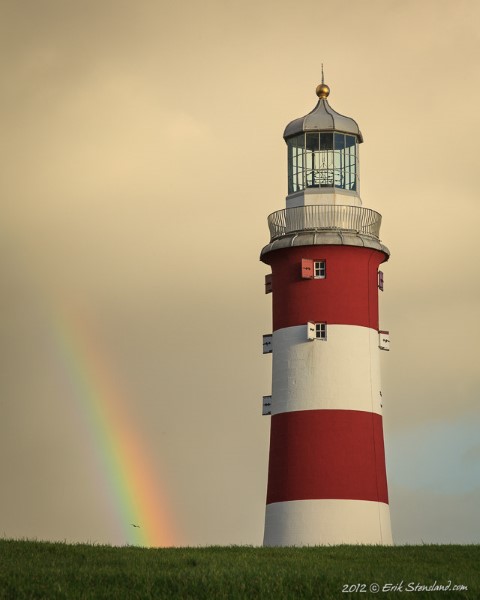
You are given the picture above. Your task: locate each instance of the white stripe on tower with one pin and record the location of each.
(347, 377)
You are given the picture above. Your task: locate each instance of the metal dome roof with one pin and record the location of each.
(323, 118)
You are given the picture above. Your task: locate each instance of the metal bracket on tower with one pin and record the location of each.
(384, 340)
(267, 405)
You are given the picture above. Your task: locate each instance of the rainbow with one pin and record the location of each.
(127, 475)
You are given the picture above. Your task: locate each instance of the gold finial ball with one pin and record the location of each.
(322, 90)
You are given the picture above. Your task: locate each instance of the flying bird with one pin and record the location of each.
(133, 525)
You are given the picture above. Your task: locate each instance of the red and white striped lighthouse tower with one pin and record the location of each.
(326, 477)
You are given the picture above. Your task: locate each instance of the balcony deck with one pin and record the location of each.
(325, 217)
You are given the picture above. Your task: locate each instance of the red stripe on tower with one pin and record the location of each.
(318, 454)
(327, 480)
(347, 295)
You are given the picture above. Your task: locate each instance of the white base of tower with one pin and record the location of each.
(327, 522)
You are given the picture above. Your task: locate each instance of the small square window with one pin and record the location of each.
(321, 331)
(320, 269)
(316, 331)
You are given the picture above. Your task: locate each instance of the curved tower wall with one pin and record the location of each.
(326, 480)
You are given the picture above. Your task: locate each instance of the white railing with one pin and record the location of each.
(325, 217)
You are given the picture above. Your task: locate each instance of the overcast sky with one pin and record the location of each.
(141, 152)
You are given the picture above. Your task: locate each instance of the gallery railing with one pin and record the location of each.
(325, 217)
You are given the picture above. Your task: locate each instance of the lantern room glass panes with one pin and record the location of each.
(322, 160)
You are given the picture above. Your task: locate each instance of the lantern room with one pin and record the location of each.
(323, 164)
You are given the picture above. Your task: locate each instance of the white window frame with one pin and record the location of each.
(320, 331)
(317, 331)
(319, 269)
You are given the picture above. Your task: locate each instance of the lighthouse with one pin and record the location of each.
(327, 479)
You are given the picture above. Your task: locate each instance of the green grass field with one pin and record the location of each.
(30, 569)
